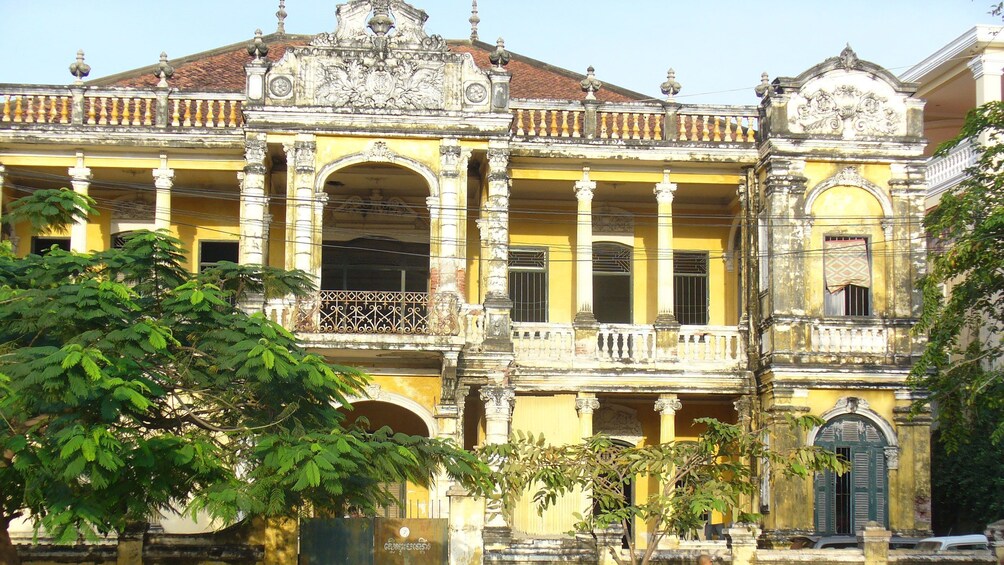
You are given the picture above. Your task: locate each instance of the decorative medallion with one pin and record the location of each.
(847, 110)
(476, 93)
(280, 87)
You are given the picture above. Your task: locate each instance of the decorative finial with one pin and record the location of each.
(79, 68)
(499, 57)
(281, 14)
(848, 58)
(164, 70)
(589, 84)
(670, 88)
(764, 86)
(381, 22)
(475, 20)
(257, 48)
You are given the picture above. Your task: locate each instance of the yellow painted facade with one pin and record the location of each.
(413, 218)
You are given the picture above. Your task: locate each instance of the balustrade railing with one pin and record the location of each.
(93, 106)
(946, 171)
(625, 343)
(641, 121)
(552, 342)
(710, 344)
(850, 339)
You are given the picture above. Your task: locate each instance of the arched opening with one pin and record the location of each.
(612, 283)
(412, 501)
(375, 261)
(845, 503)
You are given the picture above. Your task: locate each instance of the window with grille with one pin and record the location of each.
(528, 284)
(212, 252)
(847, 276)
(690, 287)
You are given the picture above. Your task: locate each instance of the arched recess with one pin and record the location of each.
(378, 152)
(849, 176)
(377, 394)
(844, 503)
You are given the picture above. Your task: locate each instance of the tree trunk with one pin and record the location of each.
(8, 553)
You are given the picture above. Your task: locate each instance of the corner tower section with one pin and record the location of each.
(838, 205)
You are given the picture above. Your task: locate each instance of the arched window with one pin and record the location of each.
(845, 503)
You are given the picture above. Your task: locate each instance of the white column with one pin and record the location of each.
(163, 180)
(498, 414)
(584, 248)
(667, 406)
(3, 179)
(495, 223)
(664, 192)
(254, 203)
(80, 179)
(304, 202)
(987, 69)
(449, 190)
(586, 404)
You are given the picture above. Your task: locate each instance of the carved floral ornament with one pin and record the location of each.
(848, 111)
(408, 85)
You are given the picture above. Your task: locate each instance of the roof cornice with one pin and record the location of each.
(977, 38)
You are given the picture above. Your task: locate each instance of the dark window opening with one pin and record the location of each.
(612, 283)
(42, 245)
(375, 265)
(847, 276)
(213, 252)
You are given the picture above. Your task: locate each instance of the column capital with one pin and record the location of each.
(665, 190)
(584, 188)
(163, 176)
(498, 401)
(79, 172)
(3, 173)
(668, 405)
(586, 405)
(991, 64)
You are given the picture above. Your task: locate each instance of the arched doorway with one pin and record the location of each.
(412, 501)
(845, 503)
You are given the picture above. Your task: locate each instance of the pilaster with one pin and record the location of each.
(80, 179)
(494, 226)
(303, 202)
(3, 192)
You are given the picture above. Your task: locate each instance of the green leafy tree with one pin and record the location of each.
(128, 384)
(712, 473)
(963, 364)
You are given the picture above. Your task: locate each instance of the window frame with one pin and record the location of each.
(202, 265)
(847, 301)
(544, 271)
(706, 256)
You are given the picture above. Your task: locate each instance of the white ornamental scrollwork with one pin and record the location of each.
(847, 110)
(406, 85)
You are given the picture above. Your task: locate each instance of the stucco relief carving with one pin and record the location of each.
(619, 422)
(498, 401)
(845, 109)
(407, 85)
(613, 221)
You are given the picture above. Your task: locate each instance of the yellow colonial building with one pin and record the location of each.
(506, 246)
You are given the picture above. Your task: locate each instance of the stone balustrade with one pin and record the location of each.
(118, 107)
(946, 171)
(634, 121)
(850, 338)
(541, 344)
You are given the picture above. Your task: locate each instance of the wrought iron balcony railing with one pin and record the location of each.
(378, 312)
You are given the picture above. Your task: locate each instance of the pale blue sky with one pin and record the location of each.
(718, 48)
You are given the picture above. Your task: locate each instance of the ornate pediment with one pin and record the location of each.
(846, 109)
(379, 60)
